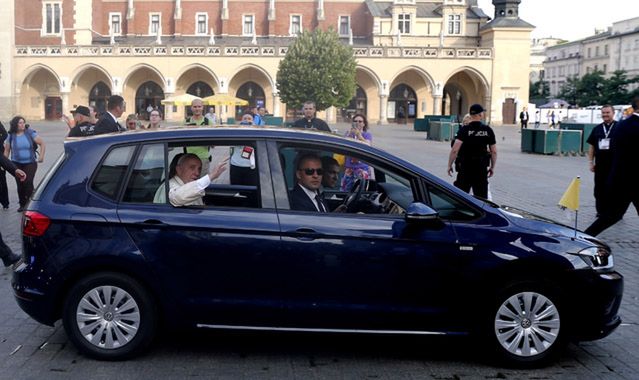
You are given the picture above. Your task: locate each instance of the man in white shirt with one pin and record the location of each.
(186, 188)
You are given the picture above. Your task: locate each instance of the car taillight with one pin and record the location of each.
(35, 224)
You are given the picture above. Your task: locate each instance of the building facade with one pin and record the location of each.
(414, 57)
(616, 48)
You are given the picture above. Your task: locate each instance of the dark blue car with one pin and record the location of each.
(402, 252)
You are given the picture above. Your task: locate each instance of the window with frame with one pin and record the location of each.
(202, 23)
(248, 22)
(295, 26)
(454, 24)
(403, 23)
(51, 18)
(342, 175)
(110, 175)
(154, 23)
(115, 24)
(147, 175)
(344, 25)
(237, 186)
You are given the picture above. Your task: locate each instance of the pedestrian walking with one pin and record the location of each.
(476, 147)
(537, 119)
(622, 183)
(600, 155)
(25, 149)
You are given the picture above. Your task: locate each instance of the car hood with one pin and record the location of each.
(540, 224)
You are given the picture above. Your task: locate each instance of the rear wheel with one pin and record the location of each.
(109, 316)
(527, 326)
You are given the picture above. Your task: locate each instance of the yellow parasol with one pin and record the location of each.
(180, 100)
(224, 100)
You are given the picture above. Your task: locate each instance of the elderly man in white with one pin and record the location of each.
(186, 188)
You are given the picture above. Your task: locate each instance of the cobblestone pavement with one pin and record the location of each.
(533, 182)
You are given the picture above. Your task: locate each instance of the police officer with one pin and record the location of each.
(477, 150)
(600, 154)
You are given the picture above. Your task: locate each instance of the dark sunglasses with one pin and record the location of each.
(311, 171)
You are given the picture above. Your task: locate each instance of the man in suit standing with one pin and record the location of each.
(305, 196)
(523, 118)
(109, 121)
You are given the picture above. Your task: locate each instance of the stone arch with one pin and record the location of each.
(193, 73)
(40, 93)
(365, 99)
(138, 76)
(259, 76)
(84, 79)
(463, 87)
(422, 83)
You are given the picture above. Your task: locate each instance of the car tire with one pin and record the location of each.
(526, 326)
(109, 316)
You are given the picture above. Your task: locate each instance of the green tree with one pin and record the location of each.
(568, 91)
(615, 89)
(539, 90)
(317, 67)
(590, 88)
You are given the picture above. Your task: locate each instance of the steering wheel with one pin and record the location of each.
(355, 194)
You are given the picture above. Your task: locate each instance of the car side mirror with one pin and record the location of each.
(422, 215)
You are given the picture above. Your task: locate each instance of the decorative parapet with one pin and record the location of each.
(243, 51)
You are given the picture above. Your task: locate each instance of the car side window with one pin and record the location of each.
(449, 207)
(147, 175)
(350, 182)
(237, 186)
(110, 175)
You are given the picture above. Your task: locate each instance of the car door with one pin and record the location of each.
(359, 271)
(216, 261)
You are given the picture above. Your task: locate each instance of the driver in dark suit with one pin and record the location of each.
(305, 195)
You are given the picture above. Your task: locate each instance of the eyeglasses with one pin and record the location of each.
(311, 171)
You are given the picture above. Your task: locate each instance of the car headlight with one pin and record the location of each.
(597, 257)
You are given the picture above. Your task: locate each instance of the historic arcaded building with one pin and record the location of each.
(414, 57)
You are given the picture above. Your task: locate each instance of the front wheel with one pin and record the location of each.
(527, 327)
(109, 316)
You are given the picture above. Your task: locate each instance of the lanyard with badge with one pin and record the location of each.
(604, 144)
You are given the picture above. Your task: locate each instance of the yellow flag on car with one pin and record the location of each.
(570, 199)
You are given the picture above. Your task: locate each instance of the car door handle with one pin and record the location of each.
(153, 222)
(305, 231)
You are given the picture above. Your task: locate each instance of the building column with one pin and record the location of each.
(64, 95)
(437, 104)
(276, 105)
(488, 107)
(383, 105)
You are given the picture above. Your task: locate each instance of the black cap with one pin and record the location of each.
(476, 109)
(82, 110)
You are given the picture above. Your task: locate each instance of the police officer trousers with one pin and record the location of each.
(475, 177)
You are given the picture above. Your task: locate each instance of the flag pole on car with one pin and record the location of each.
(570, 199)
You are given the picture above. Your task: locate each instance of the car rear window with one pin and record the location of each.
(111, 173)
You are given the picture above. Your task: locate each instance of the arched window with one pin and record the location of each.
(403, 100)
(358, 104)
(98, 97)
(200, 89)
(148, 97)
(253, 93)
